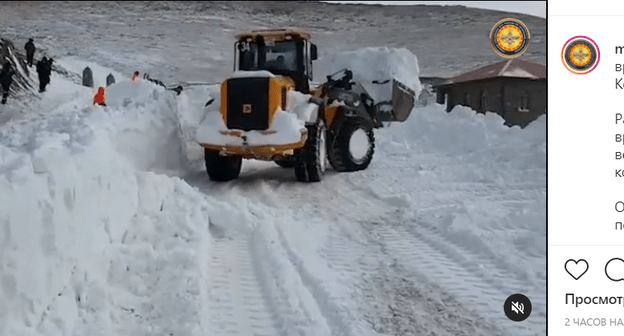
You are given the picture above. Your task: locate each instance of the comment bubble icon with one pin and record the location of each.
(615, 269)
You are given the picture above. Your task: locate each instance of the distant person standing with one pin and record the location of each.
(44, 75)
(30, 51)
(48, 69)
(135, 76)
(6, 79)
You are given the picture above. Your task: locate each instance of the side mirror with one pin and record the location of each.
(313, 54)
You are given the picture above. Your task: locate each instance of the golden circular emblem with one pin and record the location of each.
(510, 38)
(580, 55)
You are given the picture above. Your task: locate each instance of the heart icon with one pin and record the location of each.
(576, 268)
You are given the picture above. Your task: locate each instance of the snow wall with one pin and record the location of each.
(88, 228)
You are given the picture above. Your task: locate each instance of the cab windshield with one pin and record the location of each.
(278, 57)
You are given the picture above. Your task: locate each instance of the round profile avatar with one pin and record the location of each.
(510, 38)
(580, 55)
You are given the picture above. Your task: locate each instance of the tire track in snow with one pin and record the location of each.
(252, 292)
(456, 265)
(387, 295)
(389, 298)
(237, 302)
(459, 272)
(450, 200)
(456, 269)
(333, 314)
(418, 258)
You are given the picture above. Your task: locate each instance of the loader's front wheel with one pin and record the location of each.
(353, 147)
(310, 161)
(222, 168)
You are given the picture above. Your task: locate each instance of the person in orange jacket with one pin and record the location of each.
(100, 98)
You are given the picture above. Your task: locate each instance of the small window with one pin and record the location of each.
(524, 102)
(483, 101)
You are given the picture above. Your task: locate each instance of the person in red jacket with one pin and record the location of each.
(135, 76)
(100, 98)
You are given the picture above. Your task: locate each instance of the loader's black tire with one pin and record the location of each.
(340, 156)
(286, 162)
(311, 160)
(222, 168)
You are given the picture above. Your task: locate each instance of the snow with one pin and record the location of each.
(286, 126)
(253, 74)
(359, 144)
(109, 225)
(100, 73)
(88, 230)
(518, 73)
(373, 64)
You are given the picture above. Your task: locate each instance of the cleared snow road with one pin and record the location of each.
(239, 301)
(376, 266)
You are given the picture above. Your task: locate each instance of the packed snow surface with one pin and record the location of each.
(107, 228)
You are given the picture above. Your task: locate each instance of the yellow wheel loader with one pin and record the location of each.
(270, 110)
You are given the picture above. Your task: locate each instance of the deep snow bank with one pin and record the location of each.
(92, 243)
(149, 134)
(464, 131)
(191, 111)
(474, 180)
(371, 64)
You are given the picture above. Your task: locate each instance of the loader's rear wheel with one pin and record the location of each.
(222, 168)
(311, 160)
(353, 147)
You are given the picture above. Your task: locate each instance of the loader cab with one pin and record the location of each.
(282, 52)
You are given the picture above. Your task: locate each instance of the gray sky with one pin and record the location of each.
(536, 8)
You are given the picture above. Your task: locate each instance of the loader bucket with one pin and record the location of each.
(401, 104)
(403, 99)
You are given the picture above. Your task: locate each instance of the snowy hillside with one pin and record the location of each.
(130, 36)
(110, 226)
